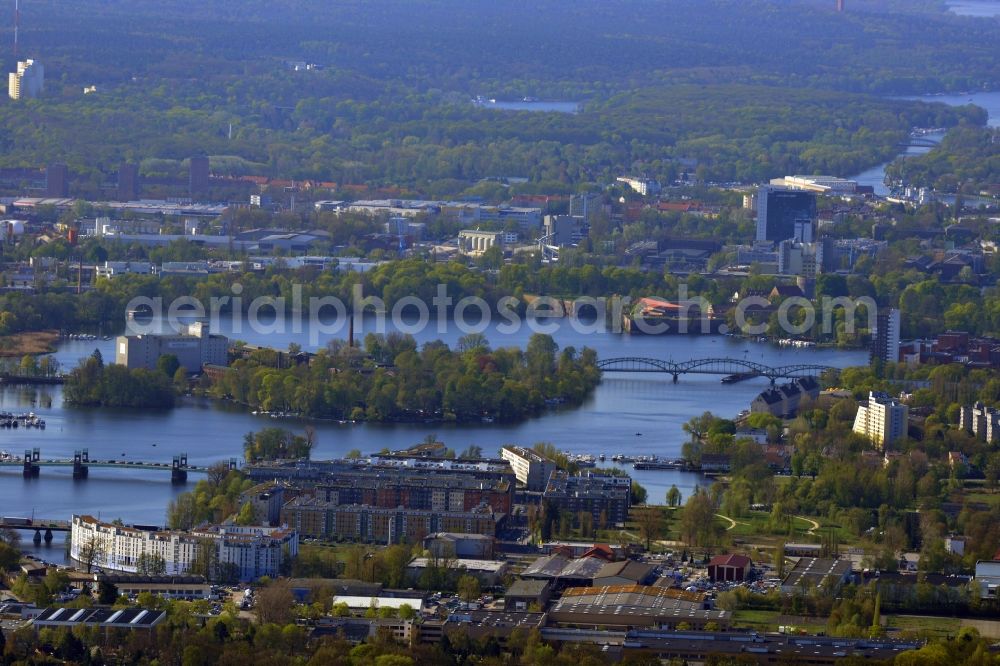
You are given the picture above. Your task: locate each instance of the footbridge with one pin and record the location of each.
(81, 463)
(732, 367)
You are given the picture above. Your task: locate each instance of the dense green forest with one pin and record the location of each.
(967, 161)
(94, 383)
(391, 380)
(730, 90)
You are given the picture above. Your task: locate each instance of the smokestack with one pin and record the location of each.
(840, 5)
(17, 25)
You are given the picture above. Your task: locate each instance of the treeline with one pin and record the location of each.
(278, 444)
(391, 380)
(213, 499)
(928, 304)
(93, 383)
(730, 90)
(967, 161)
(507, 52)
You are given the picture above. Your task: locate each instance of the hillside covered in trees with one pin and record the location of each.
(734, 90)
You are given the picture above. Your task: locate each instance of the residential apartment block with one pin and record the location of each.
(27, 82)
(981, 421)
(421, 489)
(531, 469)
(250, 551)
(783, 401)
(314, 517)
(883, 420)
(602, 496)
(885, 343)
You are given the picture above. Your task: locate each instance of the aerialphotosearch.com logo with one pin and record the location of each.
(324, 317)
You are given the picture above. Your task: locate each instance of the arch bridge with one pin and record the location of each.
(741, 368)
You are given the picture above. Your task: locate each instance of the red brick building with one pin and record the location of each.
(729, 568)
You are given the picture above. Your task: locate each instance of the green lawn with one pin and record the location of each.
(931, 627)
(761, 620)
(766, 620)
(755, 526)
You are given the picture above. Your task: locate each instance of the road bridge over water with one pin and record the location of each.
(730, 367)
(81, 464)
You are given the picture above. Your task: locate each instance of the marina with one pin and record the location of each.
(26, 421)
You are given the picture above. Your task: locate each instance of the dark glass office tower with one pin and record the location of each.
(778, 209)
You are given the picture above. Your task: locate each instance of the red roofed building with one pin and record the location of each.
(677, 206)
(602, 551)
(657, 307)
(729, 568)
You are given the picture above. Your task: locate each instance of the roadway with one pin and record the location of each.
(158, 467)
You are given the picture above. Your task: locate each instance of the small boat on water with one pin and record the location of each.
(738, 377)
(658, 465)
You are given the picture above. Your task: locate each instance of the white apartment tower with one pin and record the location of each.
(27, 81)
(885, 336)
(981, 421)
(883, 420)
(531, 469)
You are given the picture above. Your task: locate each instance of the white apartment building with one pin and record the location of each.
(195, 349)
(644, 186)
(27, 81)
(530, 469)
(253, 551)
(119, 547)
(981, 421)
(883, 420)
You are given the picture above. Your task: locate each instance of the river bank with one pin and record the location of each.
(33, 343)
(875, 176)
(606, 423)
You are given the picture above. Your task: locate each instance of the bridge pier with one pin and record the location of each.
(676, 376)
(30, 469)
(178, 472)
(80, 469)
(48, 535)
(37, 539)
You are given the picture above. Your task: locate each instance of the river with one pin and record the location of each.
(987, 100)
(610, 422)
